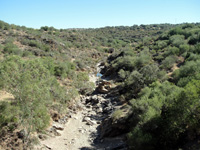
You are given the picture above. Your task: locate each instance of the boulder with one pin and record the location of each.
(103, 87)
(111, 127)
(88, 121)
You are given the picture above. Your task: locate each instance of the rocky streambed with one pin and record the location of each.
(90, 128)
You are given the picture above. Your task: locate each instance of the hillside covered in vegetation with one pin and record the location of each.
(159, 79)
(155, 69)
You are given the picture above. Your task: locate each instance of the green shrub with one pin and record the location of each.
(123, 74)
(194, 39)
(143, 59)
(63, 68)
(180, 119)
(150, 73)
(184, 48)
(117, 114)
(139, 140)
(197, 48)
(9, 115)
(168, 62)
(12, 49)
(177, 40)
(162, 44)
(148, 112)
(190, 68)
(34, 87)
(134, 82)
(81, 82)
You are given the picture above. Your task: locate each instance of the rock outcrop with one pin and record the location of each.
(116, 124)
(103, 87)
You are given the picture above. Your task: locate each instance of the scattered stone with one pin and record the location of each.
(72, 141)
(21, 134)
(42, 136)
(99, 110)
(55, 115)
(103, 87)
(47, 147)
(91, 123)
(57, 126)
(75, 117)
(85, 119)
(81, 130)
(56, 133)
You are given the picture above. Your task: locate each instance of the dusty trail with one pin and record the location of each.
(75, 136)
(81, 132)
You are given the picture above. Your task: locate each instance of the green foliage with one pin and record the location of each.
(143, 59)
(190, 69)
(126, 63)
(134, 82)
(161, 44)
(129, 61)
(148, 109)
(34, 88)
(117, 114)
(7, 117)
(12, 49)
(165, 112)
(150, 73)
(194, 39)
(184, 48)
(139, 140)
(79, 64)
(62, 69)
(182, 116)
(177, 40)
(81, 82)
(123, 74)
(175, 31)
(197, 48)
(36, 43)
(168, 62)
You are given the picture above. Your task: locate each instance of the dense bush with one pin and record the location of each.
(62, 69)
(177, 40)
(12, 49)
(34, 88)
(7, 117)
(168, 62)
(148, 113)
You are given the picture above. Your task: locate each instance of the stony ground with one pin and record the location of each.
(82, 129)
(81, 132)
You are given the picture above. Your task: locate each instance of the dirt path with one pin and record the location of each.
(76, 135)
(81, 132)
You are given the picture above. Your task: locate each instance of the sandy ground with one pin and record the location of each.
(5, 96)
(75, 136)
